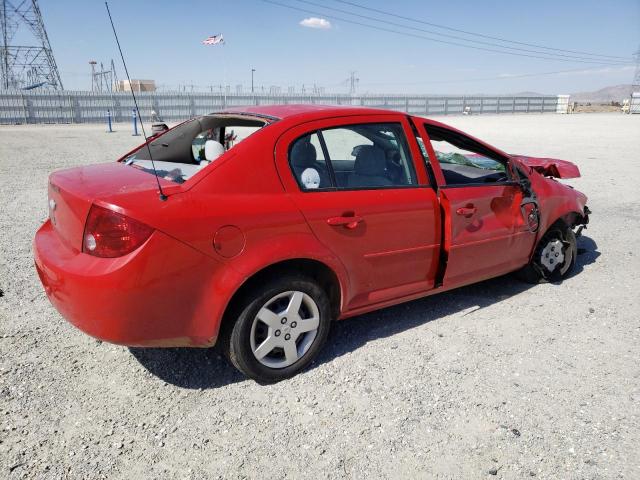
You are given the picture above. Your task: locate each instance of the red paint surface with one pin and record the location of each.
(246, 212)
(550, 167)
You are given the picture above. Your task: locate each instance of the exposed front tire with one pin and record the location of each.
(554, 256)
(280, 328)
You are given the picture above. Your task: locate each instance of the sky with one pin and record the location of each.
(162, 39)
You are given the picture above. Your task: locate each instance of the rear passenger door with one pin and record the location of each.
(355, 181)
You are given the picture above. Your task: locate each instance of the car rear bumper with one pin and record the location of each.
(158, 295)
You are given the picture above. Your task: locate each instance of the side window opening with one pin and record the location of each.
(464, 161)
(372, 155)
(343, 145)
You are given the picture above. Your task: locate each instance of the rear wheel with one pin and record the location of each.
(554, 257)
(280, 328)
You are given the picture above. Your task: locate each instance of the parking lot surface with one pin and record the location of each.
(495, 380)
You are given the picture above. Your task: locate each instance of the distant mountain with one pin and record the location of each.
(605, 95)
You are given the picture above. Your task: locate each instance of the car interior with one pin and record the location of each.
(464, 161)
(184, 150)
(360, 156)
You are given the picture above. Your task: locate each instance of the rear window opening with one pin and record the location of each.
(189, 147)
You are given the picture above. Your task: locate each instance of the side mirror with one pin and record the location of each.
(212, 150)
(530, 214)
(523, 180)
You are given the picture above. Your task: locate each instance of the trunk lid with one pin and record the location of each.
(73, 191)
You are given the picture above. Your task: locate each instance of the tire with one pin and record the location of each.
(270, 340)
(541, 267)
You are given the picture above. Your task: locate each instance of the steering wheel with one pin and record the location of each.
(497, 177)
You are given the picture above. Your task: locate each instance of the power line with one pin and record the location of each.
(388, 22)
(423, 37)
(444, 27)
(354, 81)
(501, 77)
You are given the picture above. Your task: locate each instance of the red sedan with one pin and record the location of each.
(256, 228)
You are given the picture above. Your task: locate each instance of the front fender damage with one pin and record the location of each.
(555, 200)
(550, 167)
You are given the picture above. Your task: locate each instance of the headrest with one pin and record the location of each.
(303, 154)
(310, 178)
(370, 161)
(212, 150)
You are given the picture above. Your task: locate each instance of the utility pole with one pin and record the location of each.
(635, 85)
(93, 75)
(353, 82)
(104, 80)
(114, 76)
(252, 72)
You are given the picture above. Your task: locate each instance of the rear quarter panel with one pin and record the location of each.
(244, 195)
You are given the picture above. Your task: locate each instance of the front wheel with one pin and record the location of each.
(554, 256)
(281, 327)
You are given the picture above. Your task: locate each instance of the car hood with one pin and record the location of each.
(550, 167)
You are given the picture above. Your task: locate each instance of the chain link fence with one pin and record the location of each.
(32, 107)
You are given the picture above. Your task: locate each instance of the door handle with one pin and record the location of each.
(467, 211)
(347, 222)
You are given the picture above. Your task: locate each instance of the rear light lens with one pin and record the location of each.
(110, 234)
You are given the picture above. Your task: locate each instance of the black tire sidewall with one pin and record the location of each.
(564, 235)
(239, 349)
(570, 237)
(534, 274)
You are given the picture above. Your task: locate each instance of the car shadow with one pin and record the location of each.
(191, 368)
(356, 332)
(194, 368)
(587, 254)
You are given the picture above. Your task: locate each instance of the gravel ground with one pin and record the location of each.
(495, 380)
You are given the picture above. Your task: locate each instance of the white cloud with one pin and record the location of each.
(314, 22)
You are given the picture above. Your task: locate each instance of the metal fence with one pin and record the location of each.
(634, 106)
(17, 107)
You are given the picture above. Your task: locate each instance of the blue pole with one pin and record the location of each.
(135, 122)
(109, 121)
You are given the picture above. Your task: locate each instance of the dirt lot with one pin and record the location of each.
(597, 108)
(498, 378)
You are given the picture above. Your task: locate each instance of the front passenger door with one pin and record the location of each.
(484, 235)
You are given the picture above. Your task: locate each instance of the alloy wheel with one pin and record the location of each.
(284, 329)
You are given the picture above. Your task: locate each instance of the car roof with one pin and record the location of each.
(281, 112)
(295, 113)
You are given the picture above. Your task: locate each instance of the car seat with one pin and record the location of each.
(370, 168)
(303, 157)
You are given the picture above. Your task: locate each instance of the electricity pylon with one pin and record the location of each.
(26, 56)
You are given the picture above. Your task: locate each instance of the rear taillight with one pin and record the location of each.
(111, 234)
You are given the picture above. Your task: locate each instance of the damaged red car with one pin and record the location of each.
(255, 228)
